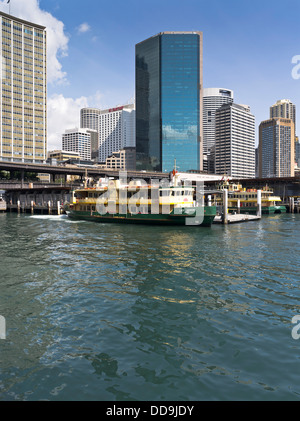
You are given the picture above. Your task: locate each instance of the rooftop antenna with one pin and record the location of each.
(8, 2)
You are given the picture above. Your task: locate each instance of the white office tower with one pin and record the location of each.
(213, 98)
(235, 141)
(89, 119)
(78, 140)
(116, 130)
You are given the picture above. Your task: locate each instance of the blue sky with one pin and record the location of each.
(247, 47)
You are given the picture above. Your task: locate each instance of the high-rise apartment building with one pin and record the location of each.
(284, 108)
(116, 130)
(213, 98)
(23, 96)
(78, 140)
(169, 102)
(235, 141)
(276, 148)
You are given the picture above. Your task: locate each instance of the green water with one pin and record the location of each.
(123, 312)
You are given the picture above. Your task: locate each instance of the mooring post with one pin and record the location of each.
(22, 178)
(225, 205)
(291, 200)
(259, 203)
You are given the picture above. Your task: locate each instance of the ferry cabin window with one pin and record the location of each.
(139, 209)
(143, 209)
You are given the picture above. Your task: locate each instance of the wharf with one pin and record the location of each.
(49, 208)
(236, 218)
(40, 200)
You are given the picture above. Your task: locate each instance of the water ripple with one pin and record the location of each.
(113, 312)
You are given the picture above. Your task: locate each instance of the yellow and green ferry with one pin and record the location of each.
(139, 203)
(244, 200)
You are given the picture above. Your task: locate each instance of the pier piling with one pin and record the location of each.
(259, 209)
(225, 206)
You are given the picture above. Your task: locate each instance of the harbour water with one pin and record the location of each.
(124, 312)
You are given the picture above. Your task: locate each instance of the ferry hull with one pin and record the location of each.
(270, 210)
(165, 219)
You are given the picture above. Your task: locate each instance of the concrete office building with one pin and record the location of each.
(169, 113)
(78, 140)
(60, 156)
(276, 148)
(124, 159)
(235, 141)
(23, 94)
(116, 130)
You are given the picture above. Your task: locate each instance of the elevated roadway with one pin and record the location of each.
(77, 170)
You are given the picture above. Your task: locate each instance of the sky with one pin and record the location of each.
(251, 47)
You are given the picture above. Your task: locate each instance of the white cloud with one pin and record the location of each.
(57, 40)
(84, 27)
(63, 114)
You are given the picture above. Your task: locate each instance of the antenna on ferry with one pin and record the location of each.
(85, 179)
(174, 172)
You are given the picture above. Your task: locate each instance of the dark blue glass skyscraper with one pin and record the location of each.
(169, 102)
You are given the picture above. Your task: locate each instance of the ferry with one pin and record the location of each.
(3, 205)
(139, 203)
(247, 198)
